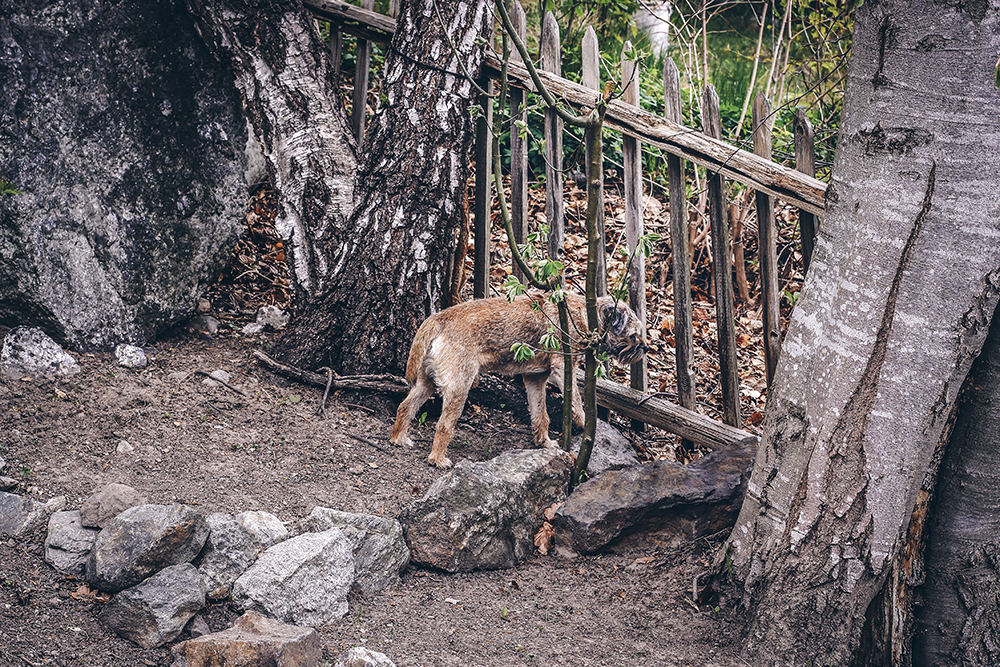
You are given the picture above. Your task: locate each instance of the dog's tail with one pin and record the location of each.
(418, 349)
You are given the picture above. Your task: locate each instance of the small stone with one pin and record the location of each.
(124, 447)
(215, 377)
(130, 356)
(203, 324)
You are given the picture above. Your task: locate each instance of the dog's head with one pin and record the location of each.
(624, 334)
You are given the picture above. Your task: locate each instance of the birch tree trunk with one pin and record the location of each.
(289, 89)
(902, 286)
(394, 263)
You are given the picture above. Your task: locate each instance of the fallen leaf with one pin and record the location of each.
(550, 512)
(543, 538)
(645, 560)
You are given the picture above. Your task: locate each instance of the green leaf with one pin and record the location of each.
(522, 352)
(513, 287)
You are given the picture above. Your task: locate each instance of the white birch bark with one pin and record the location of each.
(899, 296)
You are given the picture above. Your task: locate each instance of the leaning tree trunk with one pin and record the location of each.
(958, 622)
(290, 92)
(394, 263)
(899, 296)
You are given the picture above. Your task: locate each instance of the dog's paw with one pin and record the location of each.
(443, 462)
(403, 441)
(550, 444)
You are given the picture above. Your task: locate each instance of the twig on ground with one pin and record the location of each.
(367, 441)
(326, 393)
(385, 383)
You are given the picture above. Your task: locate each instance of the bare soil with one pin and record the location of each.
(268, 450)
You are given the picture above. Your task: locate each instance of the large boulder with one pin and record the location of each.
(228, 552)
(679, 503)
(155, 612)
(128, 149)
(303, 580)
(484, 515)
(28, 352)
(253, 640)
(143, 540)
(380, 551)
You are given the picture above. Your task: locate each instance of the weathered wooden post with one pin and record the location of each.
(552, 62)
(767, 241)
(518, 146)
(805, 161)
(361, 68)
(722, 271)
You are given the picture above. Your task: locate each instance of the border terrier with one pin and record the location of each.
(454, 346)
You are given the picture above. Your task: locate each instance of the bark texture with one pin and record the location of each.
(958, 622)
(292, 101)
(899, 297)
(397, 256)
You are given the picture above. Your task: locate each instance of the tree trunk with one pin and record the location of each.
(898, 300)
(394, 263)
(291, 97)
(958, 622)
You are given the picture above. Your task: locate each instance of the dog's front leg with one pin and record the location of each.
(558, 380)
(534, 386)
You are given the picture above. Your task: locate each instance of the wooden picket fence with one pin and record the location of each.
(682, 144)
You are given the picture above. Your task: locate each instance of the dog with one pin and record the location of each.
(452, 347)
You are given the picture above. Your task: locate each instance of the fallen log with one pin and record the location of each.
(688, 424)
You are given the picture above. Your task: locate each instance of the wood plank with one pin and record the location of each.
(632, 174)
(663, 414)
(552, 63)
(725, 315)
(591, 78)
(767, 241)
(805, 161)
(680, 247)
(518, 148)
(484, 194)
(787, 184)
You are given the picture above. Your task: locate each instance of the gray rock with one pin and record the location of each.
(20, 516)
(612, 450)
(268, 528)
(268, 317)
(198, 626)
(143, 540)
(482, 516)
(303, 580)
(130, 356)
(229, 550)
(203, 324)
(8, 483)
(109, 502)
(676, 502)
(68, 543)
(379, 547)
(253, 640)
(27, 351)
(360, 656)
(155, 612)
(216, 378)
(128, 149)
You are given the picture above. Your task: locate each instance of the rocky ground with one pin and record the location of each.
(175, 439)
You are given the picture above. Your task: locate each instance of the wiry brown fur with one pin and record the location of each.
(453, 346)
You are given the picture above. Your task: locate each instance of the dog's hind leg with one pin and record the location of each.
(559, 382)
(419, 393)
(454, 388)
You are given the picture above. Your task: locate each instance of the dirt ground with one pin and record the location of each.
(268, 450)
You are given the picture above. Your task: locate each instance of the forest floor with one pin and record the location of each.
(267, 449)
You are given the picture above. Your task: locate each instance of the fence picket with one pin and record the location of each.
(805, 161)
(722, 270)
(632, 159)
(518, 147)
(552, 62)
(680, 246)
(591, 78)
(484, 193)
(361, 69)
(767, 241)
